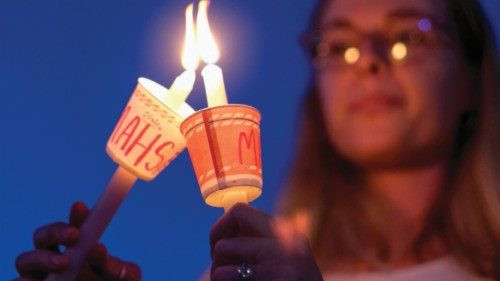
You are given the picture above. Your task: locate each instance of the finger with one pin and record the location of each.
(78, 214)
(52, 235)
(242, 220)
(98, 255)
(224, 273)
(36, 264)
(111, 267)
(245, 249)
(122, 270)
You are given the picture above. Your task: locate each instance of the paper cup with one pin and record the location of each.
(224, 146)
(147, 137)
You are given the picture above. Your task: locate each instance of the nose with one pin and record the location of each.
(373, 58)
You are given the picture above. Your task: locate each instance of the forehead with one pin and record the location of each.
(374, 13)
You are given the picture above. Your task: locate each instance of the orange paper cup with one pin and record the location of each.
(147, 137)
(224, 146)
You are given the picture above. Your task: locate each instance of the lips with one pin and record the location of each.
(376, 102)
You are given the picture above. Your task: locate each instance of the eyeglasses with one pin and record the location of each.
(406, 41)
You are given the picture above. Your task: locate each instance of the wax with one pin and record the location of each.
(180, 90)
(214, 85)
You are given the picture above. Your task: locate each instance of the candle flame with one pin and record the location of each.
(190, 57)
(206, 42)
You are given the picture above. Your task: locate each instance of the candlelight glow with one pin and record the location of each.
(190, 58)
(206, 42)
(399, 51)
(351, 55)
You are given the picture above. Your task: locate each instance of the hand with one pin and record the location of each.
(46, 257)
(272, 249)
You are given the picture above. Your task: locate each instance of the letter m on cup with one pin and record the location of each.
(249, 148)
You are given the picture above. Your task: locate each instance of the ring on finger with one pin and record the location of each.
(244, 271)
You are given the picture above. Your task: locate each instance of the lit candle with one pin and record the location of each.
(139, 163)
(212, 74)
(183, 84)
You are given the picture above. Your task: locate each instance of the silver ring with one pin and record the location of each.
(244, 271)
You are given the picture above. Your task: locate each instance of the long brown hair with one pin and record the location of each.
(345, 220)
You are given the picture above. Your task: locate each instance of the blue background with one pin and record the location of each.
(67, 69)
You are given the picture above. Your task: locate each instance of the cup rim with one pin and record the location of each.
(201, 111)
(158, 91)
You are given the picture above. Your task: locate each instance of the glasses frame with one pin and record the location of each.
(311, 39)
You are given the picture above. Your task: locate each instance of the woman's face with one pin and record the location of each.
(388, 104)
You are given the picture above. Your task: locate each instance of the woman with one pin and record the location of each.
(395, 175)
(405, 167)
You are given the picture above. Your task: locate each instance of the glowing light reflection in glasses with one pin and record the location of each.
(399, 51)
(351, 55)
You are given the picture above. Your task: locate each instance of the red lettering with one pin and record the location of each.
(120, 122)
(147, 147)
(158, 152)
(248, 141)
(128, 131)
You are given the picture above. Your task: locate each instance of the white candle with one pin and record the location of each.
(95, 224)
(180, 89)
(212, 74)
(214, 85)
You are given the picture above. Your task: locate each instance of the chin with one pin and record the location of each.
(374, 152)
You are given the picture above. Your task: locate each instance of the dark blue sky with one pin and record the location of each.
(67, 69)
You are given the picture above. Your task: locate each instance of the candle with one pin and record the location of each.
(214, 85)
(95, 224)
(145, 140)
(223, 140)
(183, 84)
(212, 74)
(180, 89)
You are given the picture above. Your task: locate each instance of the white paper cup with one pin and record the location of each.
(147, 137)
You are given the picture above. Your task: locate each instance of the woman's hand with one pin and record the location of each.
(271, 248)
(46, 257)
